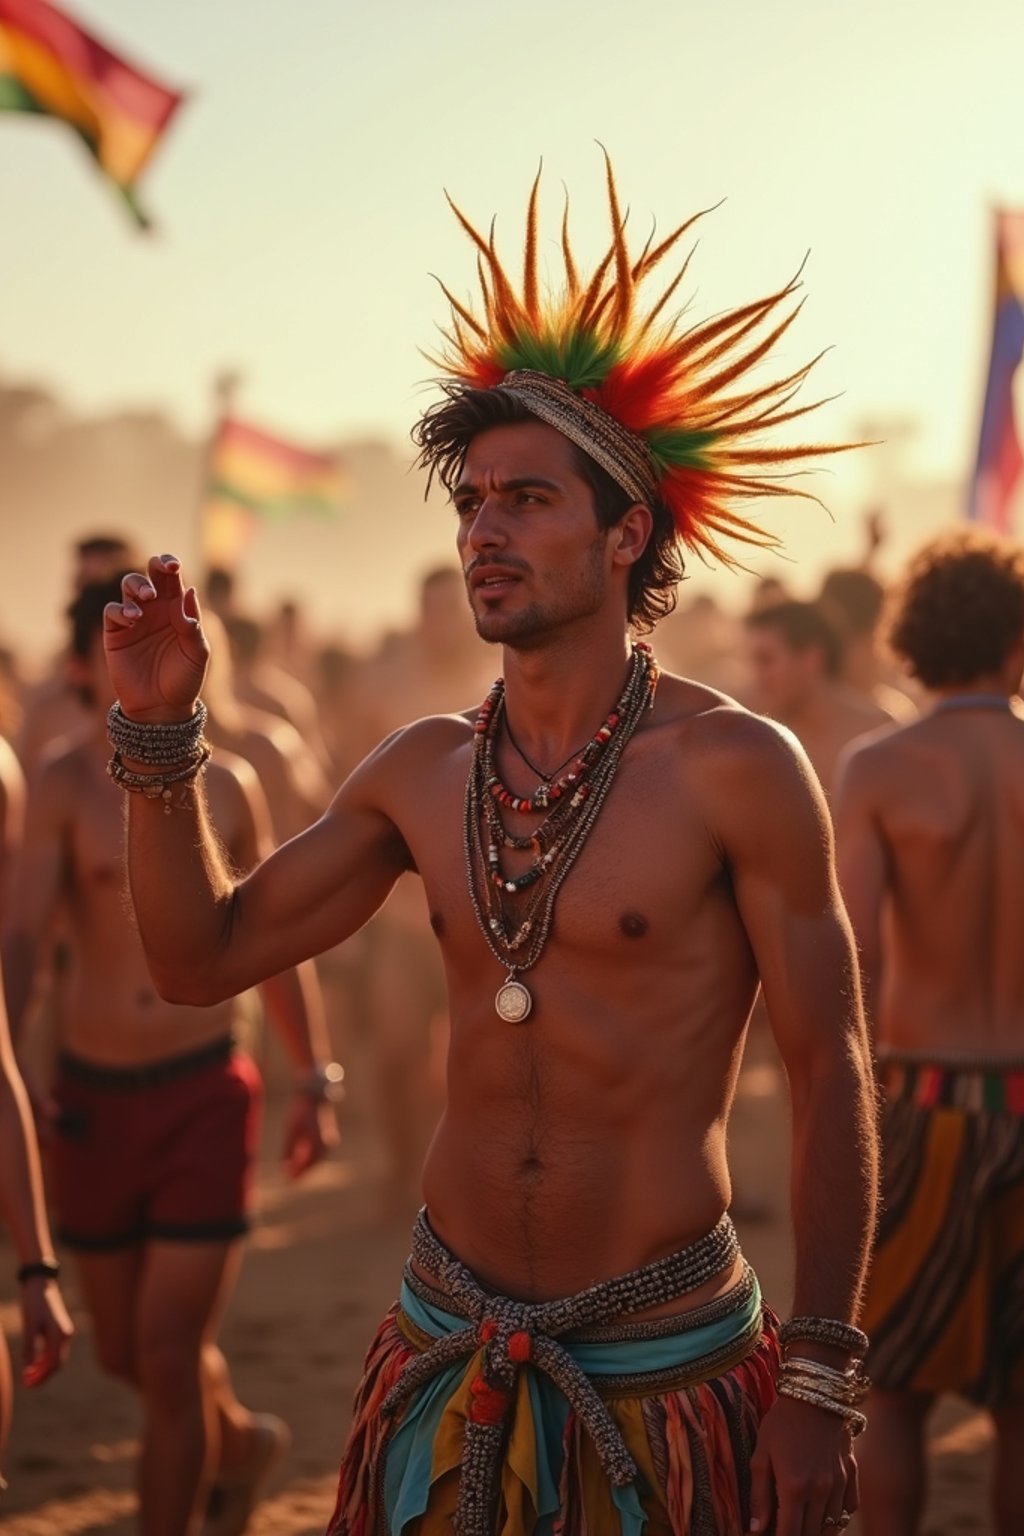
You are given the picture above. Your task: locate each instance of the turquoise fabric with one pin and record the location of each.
(408, 1462)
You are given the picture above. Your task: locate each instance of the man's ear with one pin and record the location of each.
(631, 535)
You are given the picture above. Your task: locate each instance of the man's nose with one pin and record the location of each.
(487, 528)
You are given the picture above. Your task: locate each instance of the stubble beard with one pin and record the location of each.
(530, 628)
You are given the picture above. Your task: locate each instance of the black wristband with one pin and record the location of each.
(41, 1269)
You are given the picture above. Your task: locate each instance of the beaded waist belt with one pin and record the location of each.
(511, 1334)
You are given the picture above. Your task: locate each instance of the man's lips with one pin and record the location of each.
(493, 580)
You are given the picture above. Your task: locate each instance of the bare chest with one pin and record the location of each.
(645, 880)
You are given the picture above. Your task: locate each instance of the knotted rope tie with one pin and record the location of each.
(512, 1334)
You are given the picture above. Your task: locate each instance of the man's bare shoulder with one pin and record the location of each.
(722, 728)
(427, 739)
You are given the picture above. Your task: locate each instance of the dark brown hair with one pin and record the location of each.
(86, 612)
(854, 598)
(960, 609)
(443, 435)
(802, 625)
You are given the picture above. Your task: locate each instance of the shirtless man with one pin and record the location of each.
(796, 657)
(853, 600)
(584, 1136)
(154, 1117)
(931, 844)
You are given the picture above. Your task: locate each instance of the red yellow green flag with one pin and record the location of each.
(50, 65)
(252, 475)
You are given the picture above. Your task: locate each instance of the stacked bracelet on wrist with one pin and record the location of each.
(177, 747)
(824, 1386)
(157, 743)
(825, 1330)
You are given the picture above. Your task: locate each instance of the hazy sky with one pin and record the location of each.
(300, 198)
(300, 191)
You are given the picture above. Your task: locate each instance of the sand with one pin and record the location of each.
(322, 1267)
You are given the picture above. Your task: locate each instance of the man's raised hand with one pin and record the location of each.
(156, 650)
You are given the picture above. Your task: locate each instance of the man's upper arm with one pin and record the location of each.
(320, 887)
(774, 831)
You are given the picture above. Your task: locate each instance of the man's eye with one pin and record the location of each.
(529, 496)
(464, 508)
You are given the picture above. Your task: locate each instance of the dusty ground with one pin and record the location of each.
(321, 1269)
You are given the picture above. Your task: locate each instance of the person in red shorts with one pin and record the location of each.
(153, 1119)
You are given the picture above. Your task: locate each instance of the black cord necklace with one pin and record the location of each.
(545, 778)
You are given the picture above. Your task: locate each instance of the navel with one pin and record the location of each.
(633, 925)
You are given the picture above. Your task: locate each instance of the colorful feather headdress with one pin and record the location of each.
(671, 414)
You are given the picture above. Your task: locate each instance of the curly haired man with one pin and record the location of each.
(931, 842)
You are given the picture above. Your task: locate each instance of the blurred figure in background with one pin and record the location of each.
(293, 783)
(931, 859)
(218, 592)
(264, 686)
(796, 658)
(54, 710)
(289, 643)
(46, 1329)
(700, 640)
(154, 1117)
(853, 601)
(336, 689)
(768, 592)
(438, 667)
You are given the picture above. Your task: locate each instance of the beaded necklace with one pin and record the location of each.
(572, 805)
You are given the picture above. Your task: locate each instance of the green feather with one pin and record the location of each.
(581, 358)
(679, 447)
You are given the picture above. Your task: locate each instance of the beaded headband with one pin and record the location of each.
(619, 452)
(668, 413)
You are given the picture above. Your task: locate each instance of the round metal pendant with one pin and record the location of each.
(513, 1002)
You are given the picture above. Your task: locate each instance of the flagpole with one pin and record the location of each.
(225, 389)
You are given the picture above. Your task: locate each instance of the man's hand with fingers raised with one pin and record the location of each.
(156, 650)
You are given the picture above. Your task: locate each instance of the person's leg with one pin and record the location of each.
(183, 1289)
(234, 1431)
(1008, 1482)
(891, 1457)
(109, 1283)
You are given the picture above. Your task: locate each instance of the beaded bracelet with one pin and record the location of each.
(850, 1386)
(825, 1330)
(159, 744)
(158, 786)
(853, 1418)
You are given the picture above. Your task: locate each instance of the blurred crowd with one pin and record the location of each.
(303, 711)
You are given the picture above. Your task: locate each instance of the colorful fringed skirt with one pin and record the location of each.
(491, 1418)
(945, 1300)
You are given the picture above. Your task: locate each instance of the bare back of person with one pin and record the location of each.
(950, 811)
